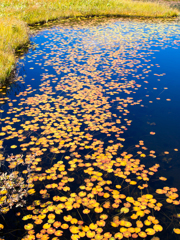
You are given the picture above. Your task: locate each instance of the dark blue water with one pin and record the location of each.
(115, 46)
(73, 60)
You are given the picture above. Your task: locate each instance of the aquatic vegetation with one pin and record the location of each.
(82, 182)
(14, 187)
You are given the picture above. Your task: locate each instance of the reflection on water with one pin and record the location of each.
(98, 104)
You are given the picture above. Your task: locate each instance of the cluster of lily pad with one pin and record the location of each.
(102, 205)
(82, 182)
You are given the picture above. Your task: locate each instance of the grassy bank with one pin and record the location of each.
(13, 34)
(16, 15)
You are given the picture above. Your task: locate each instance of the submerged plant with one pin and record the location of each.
(14, 188)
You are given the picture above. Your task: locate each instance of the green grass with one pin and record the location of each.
(16, 15)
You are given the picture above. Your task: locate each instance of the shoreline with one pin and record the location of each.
(15, 24)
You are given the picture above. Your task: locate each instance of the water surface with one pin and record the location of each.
(94, 94)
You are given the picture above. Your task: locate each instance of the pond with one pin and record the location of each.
(94, 110)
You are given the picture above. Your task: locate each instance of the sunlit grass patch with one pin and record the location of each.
(35, 11)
